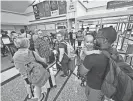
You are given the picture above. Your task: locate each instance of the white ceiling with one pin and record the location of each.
(16, 6)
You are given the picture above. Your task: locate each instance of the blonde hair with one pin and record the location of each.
(22, 43)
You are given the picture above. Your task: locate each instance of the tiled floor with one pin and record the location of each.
(59, 81)
(14, 90)
(72, 91)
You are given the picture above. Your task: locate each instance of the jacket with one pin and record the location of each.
(21, 57)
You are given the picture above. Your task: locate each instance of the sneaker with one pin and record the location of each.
(82, 85)
(55, 86)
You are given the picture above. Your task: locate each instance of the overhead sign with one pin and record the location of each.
(71, 6)
(62, 7)
(41, 9)
(47, 8)
(54, 8)
(36, 11)
(119, 4)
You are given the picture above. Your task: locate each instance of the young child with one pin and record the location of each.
(87, 49)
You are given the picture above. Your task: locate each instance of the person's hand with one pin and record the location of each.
(97, 51)
(59, 63)
(55, 52)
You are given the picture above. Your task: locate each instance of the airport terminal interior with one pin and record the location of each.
(78, 46)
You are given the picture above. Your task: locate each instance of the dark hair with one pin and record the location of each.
(2, 31)
(93, 34)
(111, 26)
(22, 30)
(129, 29)
(13, 32)
(6, 32)
(87, 28)
(82, 29)
(109, 33)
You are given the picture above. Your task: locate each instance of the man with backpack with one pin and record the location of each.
(62, 57)
(105, 77)
(64, 54)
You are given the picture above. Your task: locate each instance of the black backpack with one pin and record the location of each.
(51, 57)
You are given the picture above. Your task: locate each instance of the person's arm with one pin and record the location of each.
(91, 52)
(38, 58)
(85, 67)
(88, 63)
(36, 51)
(62, 51)
(36, 46)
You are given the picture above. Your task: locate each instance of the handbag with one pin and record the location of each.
(37, 74)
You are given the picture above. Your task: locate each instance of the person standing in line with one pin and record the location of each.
(62, 54)
(98, 63)
(22, 33)
(87, 31)
(79, 38)
(21, 57)
(42, 46)
(71, 37)
(87, 49)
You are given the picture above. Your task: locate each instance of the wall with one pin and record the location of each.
(81, 10)
(18, 27)
(9, 18)
(29, 13)
(7, 27)
(12, 27)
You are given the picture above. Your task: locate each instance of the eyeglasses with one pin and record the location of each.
(100, 36)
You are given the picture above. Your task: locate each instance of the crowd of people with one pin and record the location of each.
(93, 64)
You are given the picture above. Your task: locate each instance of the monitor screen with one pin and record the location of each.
(6, 40)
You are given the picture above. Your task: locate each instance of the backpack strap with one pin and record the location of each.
(34, 55)
(66, 48)
(106, 53)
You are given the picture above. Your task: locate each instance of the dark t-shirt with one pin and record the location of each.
(63, 45)
(71, 35)
(97, 64)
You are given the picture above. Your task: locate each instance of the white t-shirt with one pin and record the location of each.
(23, 35)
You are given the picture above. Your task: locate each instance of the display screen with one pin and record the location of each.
(6, 41)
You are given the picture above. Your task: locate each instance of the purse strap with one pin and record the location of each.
(34, 55)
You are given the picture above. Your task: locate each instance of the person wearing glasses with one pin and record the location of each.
(96, 64)
(62, 54)
(42, 45)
